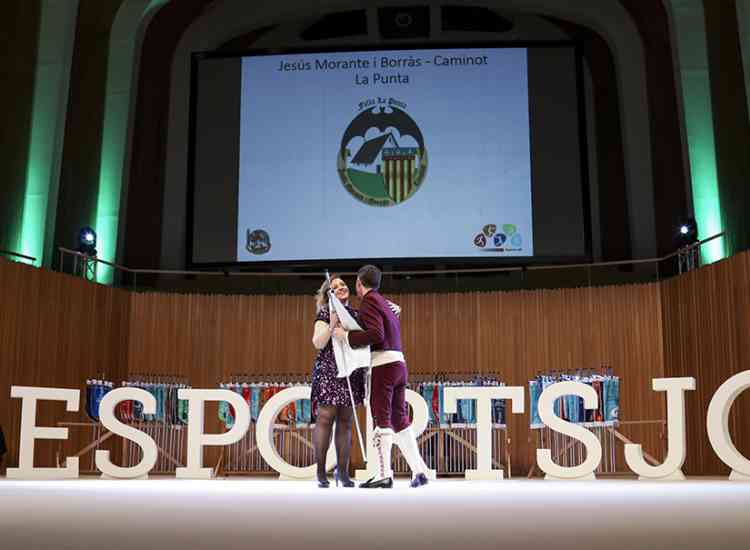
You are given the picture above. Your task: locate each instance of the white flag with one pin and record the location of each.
(348, 359)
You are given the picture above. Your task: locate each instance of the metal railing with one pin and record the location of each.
(691, 252)
(17, 255)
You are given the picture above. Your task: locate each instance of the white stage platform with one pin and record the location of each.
(262, 513)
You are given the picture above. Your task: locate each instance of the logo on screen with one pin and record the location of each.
(505, 239)
(382, 160)
(258, 242)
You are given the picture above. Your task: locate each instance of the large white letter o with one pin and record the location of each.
(718, 425)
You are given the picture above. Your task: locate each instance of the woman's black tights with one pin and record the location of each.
(343, 417)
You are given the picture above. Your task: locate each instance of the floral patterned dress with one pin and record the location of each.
(327, 388)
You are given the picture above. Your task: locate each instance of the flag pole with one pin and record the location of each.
(356, 420)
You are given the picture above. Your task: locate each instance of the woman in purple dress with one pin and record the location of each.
(330, 395)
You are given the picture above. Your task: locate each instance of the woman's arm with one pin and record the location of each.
(321, 335)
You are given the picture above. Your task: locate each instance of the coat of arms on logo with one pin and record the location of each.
(382, 160)
(258, 242)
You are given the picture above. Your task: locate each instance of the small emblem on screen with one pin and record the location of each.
(258, 242)
(507, 239)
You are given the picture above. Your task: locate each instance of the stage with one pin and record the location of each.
(165, 513)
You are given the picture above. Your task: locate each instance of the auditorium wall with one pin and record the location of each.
(57, 330)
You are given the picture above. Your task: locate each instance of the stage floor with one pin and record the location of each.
(262, 513)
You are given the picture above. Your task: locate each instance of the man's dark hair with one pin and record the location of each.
(370, 276)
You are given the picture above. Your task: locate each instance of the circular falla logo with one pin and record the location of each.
(382, 160)
(258, 241)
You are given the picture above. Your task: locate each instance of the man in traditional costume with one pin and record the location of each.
(382, 332)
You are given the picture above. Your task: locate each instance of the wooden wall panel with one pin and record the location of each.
(707, 323)
(513, 335)
(56, 331)
(209, 338)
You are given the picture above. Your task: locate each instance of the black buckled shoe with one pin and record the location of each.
(419, 480)
(372, 483)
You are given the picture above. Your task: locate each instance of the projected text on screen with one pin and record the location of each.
(390, 154)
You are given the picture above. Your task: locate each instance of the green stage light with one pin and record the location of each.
(690, 34)
(122, 56)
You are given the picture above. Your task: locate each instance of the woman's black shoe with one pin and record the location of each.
(345, 481)
(385, 483)
(324, 483)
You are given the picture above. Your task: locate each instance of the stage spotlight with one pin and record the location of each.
(687, 233)
(87, 241)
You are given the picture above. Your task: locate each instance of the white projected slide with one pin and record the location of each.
(388, 154)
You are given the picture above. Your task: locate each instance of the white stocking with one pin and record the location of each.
(407, 442)
(383, 441)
